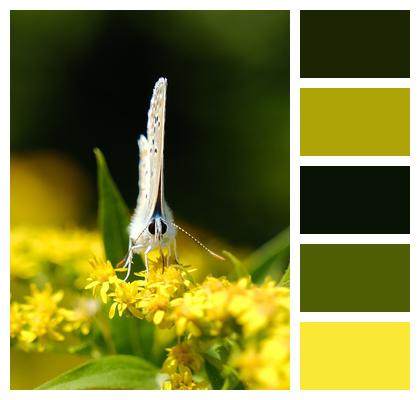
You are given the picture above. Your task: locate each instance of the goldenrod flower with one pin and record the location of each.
(33, 250)
(154, 306)
(17, 320)
(256, 308)
(102, 274)
(43, 301)
(265, 365)
(40, 317)
(182, 355)
(40, 320)
(161, 286)
(187, 313)
(81, 317)
(43, 327)
(253, 319)
(183, 380)
(125, 295)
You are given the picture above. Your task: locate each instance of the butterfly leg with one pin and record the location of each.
(175, 252)
(162, 257)
(168, 257)
(146, 261)
(128, 261)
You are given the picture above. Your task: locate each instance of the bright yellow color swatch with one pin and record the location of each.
(355, 122)
(355, 355)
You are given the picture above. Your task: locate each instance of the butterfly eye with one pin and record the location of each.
(152, 227)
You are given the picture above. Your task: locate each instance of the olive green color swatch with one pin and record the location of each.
(354, 277)
(355, 122)
(355, 44)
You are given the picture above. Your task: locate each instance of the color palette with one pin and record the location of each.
(355, 44)
(355, 199)
(355, 122)
(355, 277)
(355, 355)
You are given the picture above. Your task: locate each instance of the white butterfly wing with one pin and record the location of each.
(151, 163)
(155, 137)
(139, 219)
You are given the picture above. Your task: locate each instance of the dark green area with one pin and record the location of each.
(355, 199)
(355, 44)
(355, 277)
(84, 79)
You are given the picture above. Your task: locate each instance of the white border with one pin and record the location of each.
(354, 83)
(294, 199)
(5, 201)
(355, 239)
(354, 316)
(355, 161)
(295, 163)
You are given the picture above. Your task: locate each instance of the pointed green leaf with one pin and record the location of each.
(129, 335)
(213, 375)
(113, 215)
(285, 279)
(240, 271)
(270, 259)
(110, 372)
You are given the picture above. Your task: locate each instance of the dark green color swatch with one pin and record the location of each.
(354, 277)
(355, 199)
(355, 44)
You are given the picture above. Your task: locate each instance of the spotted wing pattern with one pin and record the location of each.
(151, 162)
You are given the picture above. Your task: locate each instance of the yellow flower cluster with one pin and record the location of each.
(149, 299)
(183, 380)
(265, 364)
(34, 248)
(255, 316)
(259, 315)
(183, 360)
(40, 321)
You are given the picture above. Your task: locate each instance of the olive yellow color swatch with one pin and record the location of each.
(355, 122)
(355, 355)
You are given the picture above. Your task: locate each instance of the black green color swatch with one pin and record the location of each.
(355, 44)
(355, 200)
(355, 277)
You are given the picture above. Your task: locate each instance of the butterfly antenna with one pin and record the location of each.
(198, 242)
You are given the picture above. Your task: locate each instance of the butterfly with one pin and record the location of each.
(152, 224)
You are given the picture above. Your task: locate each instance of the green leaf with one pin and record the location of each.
(272, 258)
(285, 279)
(240, 271)
(221, 375)
(110, 372)
(214, 375)
(113, 215)
(129, 335)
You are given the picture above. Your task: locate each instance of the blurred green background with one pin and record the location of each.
(83, 79)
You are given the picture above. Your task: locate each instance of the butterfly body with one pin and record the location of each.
(152, 225)
(158, 231)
